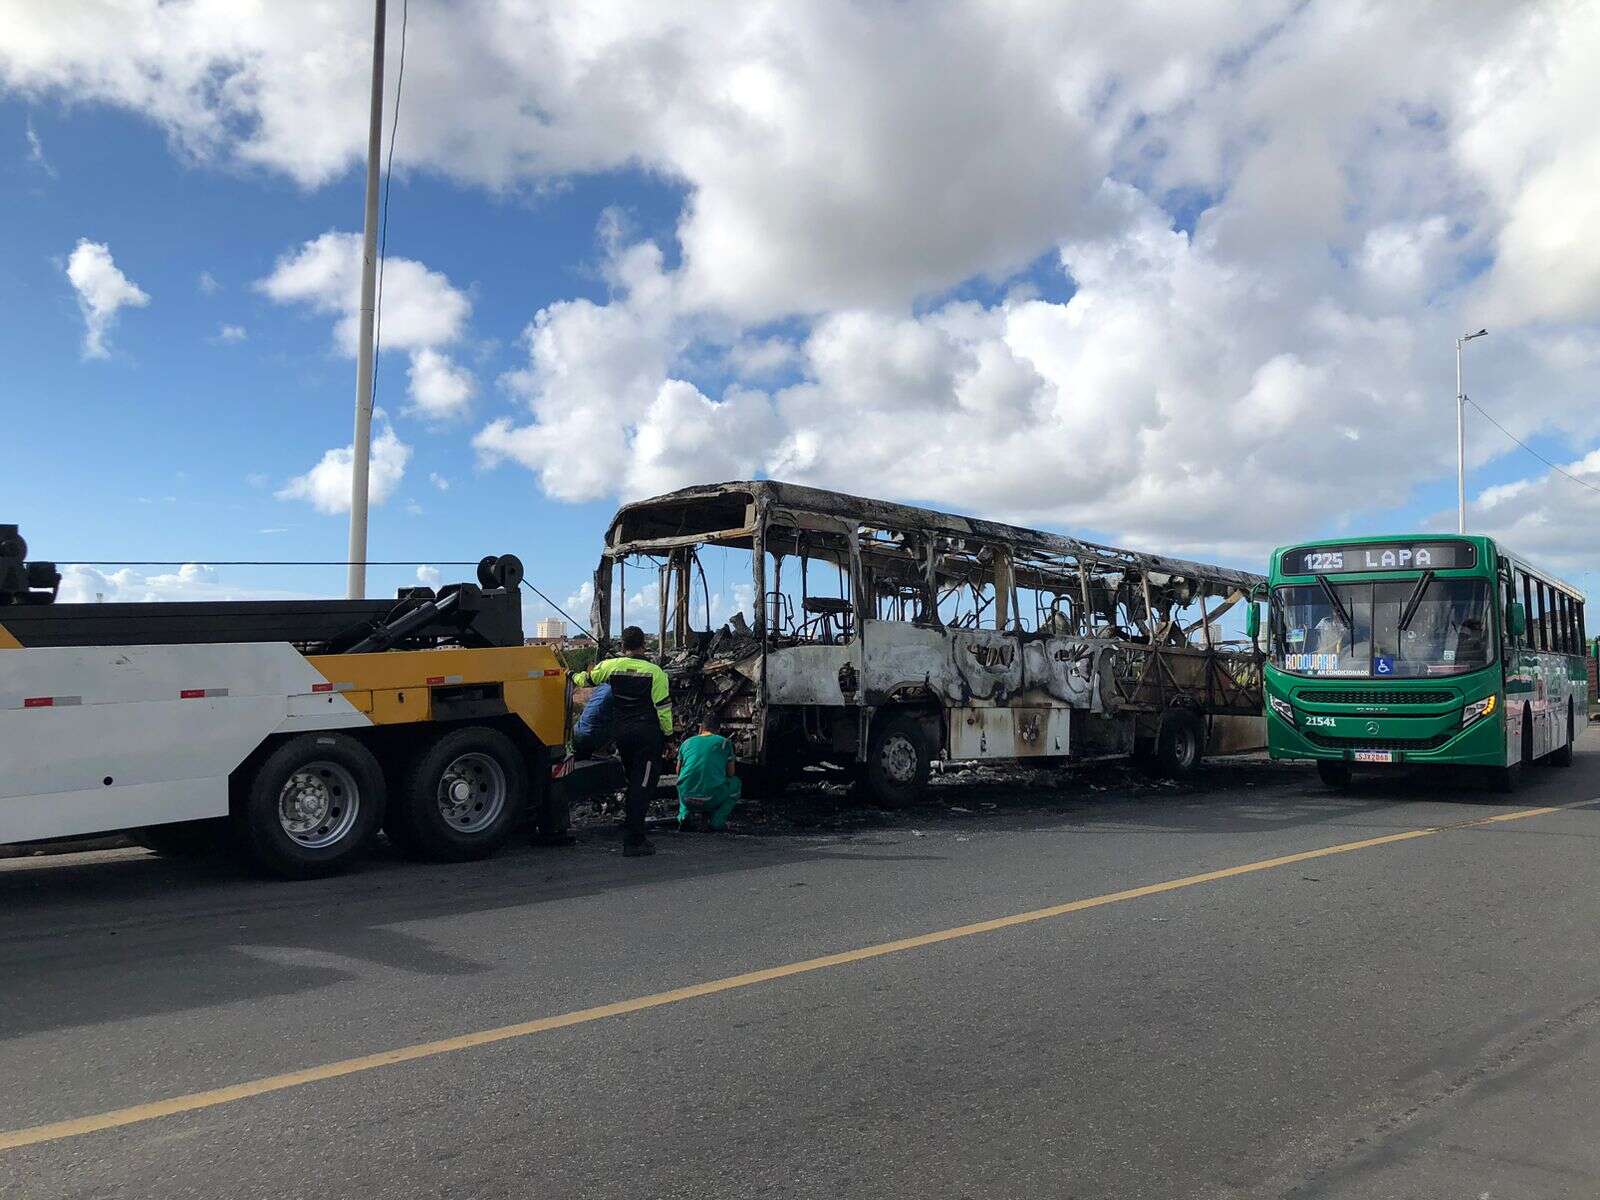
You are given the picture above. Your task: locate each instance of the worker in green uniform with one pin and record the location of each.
(641, 701)
(707, 787)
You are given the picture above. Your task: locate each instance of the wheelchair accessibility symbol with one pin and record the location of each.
(1383, 665)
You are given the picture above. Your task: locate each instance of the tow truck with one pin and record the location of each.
(293, 730)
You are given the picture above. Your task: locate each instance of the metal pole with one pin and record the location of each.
(1461, 448)
(361, 449)
(1461, 435)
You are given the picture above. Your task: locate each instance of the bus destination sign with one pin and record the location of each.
(1380, 556)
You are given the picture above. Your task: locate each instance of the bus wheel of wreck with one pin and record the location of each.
(1180, 744)
(898, 760)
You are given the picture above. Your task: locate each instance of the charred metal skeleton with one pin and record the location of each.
(882, 636)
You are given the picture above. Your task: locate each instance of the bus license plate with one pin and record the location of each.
(1375, 756)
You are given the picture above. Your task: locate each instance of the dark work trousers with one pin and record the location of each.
(641, 763)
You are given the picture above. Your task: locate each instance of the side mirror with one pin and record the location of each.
(1252, 621)
(1517, 618)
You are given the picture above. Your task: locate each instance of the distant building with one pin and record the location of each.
(550, 629)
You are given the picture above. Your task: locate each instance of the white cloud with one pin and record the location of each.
(1182, 397)
(421, 308)
(1548, 517)
(420, 311)
(231, 333)
(438, 481)
(326, 486)
(762, 358)
(36, 150)
(440, 389)
(82, 584)
(103, 291)
(1362, 183)
(429, 576)
(207, 283)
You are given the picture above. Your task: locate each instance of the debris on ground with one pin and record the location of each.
(823, 803)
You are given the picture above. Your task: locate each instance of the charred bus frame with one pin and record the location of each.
(946, 637)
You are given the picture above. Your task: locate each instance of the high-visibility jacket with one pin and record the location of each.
(632, 707)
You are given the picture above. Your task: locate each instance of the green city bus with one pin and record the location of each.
(1425, 649)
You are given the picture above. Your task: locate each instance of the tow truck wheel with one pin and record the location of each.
(897, 762)
(312, 805)
(464, 797)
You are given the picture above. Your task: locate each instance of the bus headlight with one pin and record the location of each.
(1478, 708)
(1283, 708)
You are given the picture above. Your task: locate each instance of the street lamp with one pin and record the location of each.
(1461, 435)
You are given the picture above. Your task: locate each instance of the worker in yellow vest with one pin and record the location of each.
(641, 702)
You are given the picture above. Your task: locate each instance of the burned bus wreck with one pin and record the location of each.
(881, 638)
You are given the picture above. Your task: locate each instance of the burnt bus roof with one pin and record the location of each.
(724, 513)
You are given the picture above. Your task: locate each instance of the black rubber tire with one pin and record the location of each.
(1180, 744)
(1336, 775)
(1563, 756)
(261, 834)
(185, 839)
(423, 829)
(896, 743)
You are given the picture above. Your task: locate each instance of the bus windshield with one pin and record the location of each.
(1403, 628)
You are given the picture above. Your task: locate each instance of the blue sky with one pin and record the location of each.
(173, 447)
(1133, 319)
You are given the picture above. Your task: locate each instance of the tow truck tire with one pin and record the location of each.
(1335, 775)
(898, 761)
(463, 797)
(1562, 757)
(312, 806)
(1180, 743)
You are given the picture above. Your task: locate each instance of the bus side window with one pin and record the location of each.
(1566, 623)
(1583, 634)
(1527, 603)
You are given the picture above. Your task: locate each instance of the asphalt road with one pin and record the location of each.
(1418, 1017)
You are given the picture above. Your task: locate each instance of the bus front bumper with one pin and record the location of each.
(1358, 739)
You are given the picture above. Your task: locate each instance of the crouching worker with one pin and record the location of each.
(641, 719)
(707, 787)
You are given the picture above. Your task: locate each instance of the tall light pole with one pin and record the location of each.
(361, 449)
(1461, 435)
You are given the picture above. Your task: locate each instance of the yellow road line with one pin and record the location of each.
(57, 1130)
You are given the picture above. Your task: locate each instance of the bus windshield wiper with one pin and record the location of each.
(1338, 605)
(1414, 601)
